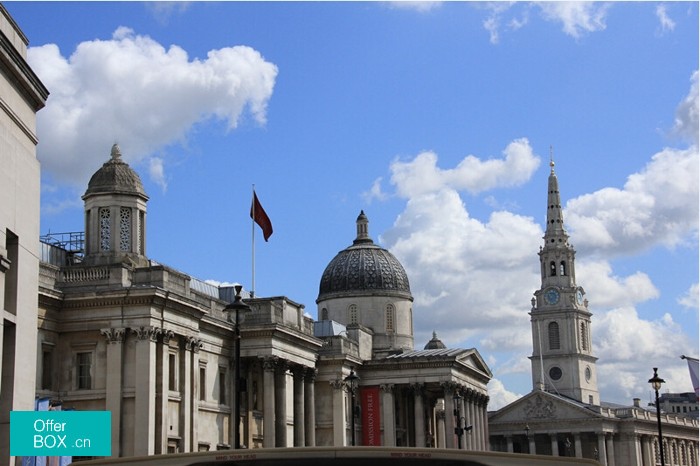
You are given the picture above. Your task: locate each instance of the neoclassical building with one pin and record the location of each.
(563, 415)
(22, 95)
(119, 331)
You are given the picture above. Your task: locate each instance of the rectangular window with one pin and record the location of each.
(172, 372)
(84, 365)
(202, 383)
(46, 370)
(222, 385)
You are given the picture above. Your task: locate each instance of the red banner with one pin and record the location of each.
(371, 417)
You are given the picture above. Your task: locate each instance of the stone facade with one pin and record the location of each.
(21, 96)
(563, 415)
(120, 332)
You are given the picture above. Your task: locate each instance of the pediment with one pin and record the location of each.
(541, 406)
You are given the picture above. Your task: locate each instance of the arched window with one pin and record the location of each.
(552, 269)
(584, 337)
(390, 317)
(324, 314)
(553, 331)
(562, 268)
(352, 312)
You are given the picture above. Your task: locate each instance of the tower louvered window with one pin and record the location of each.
(105, 229)
(352, 310)
(124, 229)
(390, 316)
(584, 337)
(553, 331)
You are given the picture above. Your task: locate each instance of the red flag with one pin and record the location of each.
(257, 213)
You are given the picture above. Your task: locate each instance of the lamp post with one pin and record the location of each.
(656, 382)
(352, 381)
(459, 429)
(239, 310)
(527, 436)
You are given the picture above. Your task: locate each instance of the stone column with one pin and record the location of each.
(440, 420)
(145, 390)
(471, 419)
(113, 389)
(485, 420)
(602, 452)
(418, 414)
(509, 443)
(162, 390)
(388, 417)
(281, 403)
(532, 445)
(310, 407)
(449, 391)
(339, 420)
(269, 402)
(194, 395)
(186, 392)
(647, 451)
(555, 444)
(299, 399)
(610, 448)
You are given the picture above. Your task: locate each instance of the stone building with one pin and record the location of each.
(22, 95)
(121, 332)
(563, 415)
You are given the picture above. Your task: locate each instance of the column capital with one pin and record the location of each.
(146, 333)
(193, 344)
(310, 374)
(113, 335)
(387, 387)
(337, 384)
(269, 363)
(417, 388)
(167, 335)
(450, 387)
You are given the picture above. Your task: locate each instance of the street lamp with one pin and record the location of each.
(240, 309)
(352, 381)
(527, 436)
(459, 428)
(656, 382)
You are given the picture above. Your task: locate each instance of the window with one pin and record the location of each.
(84, 365)
(324, 314)
(553, 331)
(562, 268)
(202, 383)
(552, 269)
(105, 229)
(352, 311)
(584, 337)
(390, 317)
(124, 229)
(46, 370)
(222, 385)
(172, 371)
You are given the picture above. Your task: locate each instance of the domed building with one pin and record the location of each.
(120, 332)
(405, 397)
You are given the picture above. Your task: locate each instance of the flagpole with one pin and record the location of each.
(252, 220)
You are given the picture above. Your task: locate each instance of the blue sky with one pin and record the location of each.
(435, 118)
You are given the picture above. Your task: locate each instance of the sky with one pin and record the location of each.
(437, 119)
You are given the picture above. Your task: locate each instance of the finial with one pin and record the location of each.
(551, 158)
(116, 152)
(362, 229)
(434, 335)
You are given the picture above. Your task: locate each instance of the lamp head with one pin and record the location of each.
(237, 310)
(656, 381)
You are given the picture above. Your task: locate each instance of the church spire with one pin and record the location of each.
(555, 232)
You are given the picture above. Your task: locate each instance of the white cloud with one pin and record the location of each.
(375, 192)
(157, 172)
(422, 175)
(690, 299)
(499, 396)
(657, 205)
(665, 22)
(416, 5)
(577, 18)
(611, 290)
(132, 89)
(632, 346)
(687, 123)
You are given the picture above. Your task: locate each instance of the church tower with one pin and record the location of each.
(562, 359)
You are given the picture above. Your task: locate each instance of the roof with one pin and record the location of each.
(115, 177)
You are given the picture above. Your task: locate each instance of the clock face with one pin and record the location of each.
(579, 296)
(551, 296)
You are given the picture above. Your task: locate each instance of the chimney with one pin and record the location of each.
(636, 402)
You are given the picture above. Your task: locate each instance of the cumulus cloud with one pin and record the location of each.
(612, 290)
(375, 192)
(499, 396)
(690, 299)
(133, 90)
(415, 5)
(657, 205)
(687, 123)
(633, 345)
(422, 175)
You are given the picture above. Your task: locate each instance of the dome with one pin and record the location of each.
(435, 343)
(364, 268)
(115, 177)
